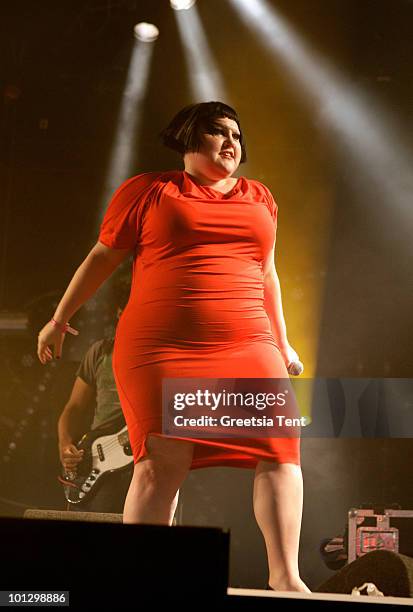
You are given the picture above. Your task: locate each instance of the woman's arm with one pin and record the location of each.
(274, 309)
(93, 271)
(273, 302)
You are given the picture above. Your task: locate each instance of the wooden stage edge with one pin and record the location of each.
(397, 601)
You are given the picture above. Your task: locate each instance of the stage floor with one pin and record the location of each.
(323, 598)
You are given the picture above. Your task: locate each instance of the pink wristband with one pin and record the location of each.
(64, 327)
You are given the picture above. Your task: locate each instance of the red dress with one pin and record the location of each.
(196, 307)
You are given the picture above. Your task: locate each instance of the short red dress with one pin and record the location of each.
(196, 306)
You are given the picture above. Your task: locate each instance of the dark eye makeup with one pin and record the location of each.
(214, 129)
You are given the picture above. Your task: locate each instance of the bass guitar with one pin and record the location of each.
(106, 450)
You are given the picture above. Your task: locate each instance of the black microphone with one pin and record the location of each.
(295, 368)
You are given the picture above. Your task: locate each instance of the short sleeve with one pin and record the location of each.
(272, 206)
(88, 366)
(121, 224)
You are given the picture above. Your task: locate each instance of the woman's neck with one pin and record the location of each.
(224, 185)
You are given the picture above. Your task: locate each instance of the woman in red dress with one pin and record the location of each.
(205, 302)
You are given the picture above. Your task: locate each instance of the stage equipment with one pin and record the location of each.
(111, 564)
(391, 574)
(363, 539)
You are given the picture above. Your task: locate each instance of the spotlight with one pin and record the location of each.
(146, 32)
(358, 122)
(182, 5)
(203, 73)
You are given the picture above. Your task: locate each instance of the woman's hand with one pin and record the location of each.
(290, 357)
(50, 336)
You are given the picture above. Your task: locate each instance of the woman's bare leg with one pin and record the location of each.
(278, 502)
(154, 489)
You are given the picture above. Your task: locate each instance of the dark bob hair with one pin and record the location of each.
(183, 132)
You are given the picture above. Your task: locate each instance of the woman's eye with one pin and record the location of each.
(214, 131)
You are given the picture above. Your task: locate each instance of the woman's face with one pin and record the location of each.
(219, 153)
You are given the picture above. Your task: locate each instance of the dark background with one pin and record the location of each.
(66, 62)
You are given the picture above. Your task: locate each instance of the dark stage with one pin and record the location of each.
(324, 94)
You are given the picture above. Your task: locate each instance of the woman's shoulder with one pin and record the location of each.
(257, 185)
(139, 187)
(259, 189)
(260, 192)
(148, 178)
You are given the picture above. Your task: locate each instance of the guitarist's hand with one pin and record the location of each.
(70, 457)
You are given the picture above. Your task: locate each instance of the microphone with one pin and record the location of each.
(295, 368)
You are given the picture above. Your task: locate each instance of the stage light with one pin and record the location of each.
(146, 32)
(122, 164)
(123, 148)
(182, 5)
(203, 73)
(382, 158)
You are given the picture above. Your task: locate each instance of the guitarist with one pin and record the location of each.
(93, 403)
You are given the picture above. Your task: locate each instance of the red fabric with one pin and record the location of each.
(196, 302)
